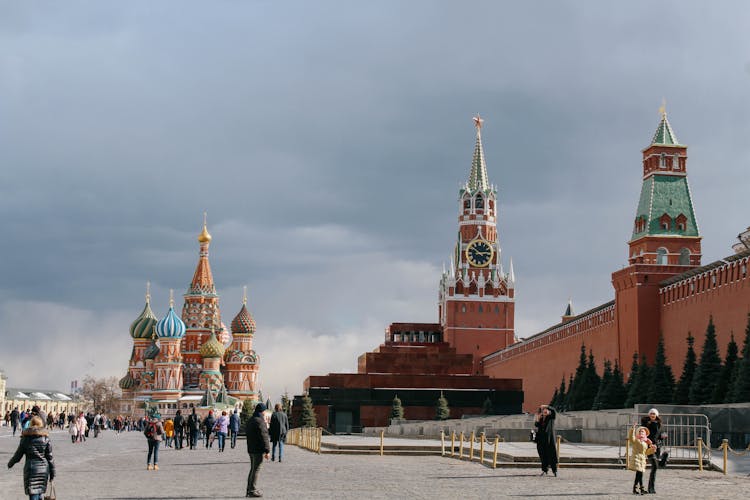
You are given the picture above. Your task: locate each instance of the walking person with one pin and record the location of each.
(258, 447)
(154, 431)
(82, 427)
(15, 418)
(640, 447)
(544, 421)
(652, 422)
(179, 430)
(168, 432)
(194, 425)
(220, 428)
(40, 466)
(234, 427)
(208, 427)
(277, 430)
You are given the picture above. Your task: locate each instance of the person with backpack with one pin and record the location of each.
(153, 432)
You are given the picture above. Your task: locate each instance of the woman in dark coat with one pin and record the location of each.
(39, 466)
(652, 422)
(545, 438)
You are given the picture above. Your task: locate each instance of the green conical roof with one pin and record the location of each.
(665, 194)
(664, 134)
(478, 180)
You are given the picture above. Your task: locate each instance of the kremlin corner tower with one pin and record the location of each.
(191, 360)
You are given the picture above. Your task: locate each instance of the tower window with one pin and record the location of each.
(479, 202)
(467, 204)
(676, 162)
(661, 256)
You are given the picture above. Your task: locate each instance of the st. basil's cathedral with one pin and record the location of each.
(191, 360)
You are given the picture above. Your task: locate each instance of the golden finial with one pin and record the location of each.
(244, 295)
(478, 121)
(171, 298)
(204, 237)
(663, 108)
(148, 292)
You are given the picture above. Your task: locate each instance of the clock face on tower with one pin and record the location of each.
(479, 253)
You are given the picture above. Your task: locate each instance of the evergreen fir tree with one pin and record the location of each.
(308, 418)
(442, 411)
(590, 386)
(662, 383)
(555, 397)
(632, 377)
(721, 393)
(561, 395)
(248, 408)
(576, 393)
(618, 394)
(682, 390)
(638, 392)
(740, 390)
(603, 394)
(286, 403)
(566, 402)
(487, 408)
(708, 370)
(397, 411)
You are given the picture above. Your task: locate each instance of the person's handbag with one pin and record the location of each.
(50, 493)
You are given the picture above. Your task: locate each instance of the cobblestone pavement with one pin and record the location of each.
(113, 467)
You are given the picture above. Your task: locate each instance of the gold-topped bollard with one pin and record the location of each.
(442, 443)
(382, 433)
(494, 460)
(320, 438)
(461, 447)
(481, 448)
(453, 442)
(700, 454)
(725, 446)
(471, 450)
(559, 438)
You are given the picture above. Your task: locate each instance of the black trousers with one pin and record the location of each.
(256, 460)
(653, 461)
(548, 455)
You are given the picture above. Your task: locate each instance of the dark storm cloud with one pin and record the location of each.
(327, 141)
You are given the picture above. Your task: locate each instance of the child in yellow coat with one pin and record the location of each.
(169, 431)
(640, 447)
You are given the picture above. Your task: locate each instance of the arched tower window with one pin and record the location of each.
(663, 161)
(681, 222)
(479, 201)
(661, 256)
(665, 222)
(685, 257)
(676, 162)
(467, 204)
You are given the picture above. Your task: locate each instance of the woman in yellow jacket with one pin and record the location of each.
(169, 432)
(640, 447)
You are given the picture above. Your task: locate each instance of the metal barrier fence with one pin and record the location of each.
(686, 436)
(308, 438)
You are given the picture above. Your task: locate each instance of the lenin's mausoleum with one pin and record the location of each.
(472, 355)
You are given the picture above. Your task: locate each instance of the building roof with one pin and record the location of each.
(665, 194)
(36, 395)
(664, 134)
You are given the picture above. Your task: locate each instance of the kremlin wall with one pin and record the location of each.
(664, 290)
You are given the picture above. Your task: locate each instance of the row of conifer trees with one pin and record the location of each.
(707, 381)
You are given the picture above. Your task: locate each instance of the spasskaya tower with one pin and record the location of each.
(476, 296)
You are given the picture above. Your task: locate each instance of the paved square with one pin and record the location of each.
(114, 467)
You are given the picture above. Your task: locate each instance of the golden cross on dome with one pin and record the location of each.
(171, 297)
(148, 291)
(244, 295)
(478, 121)
(663, 107)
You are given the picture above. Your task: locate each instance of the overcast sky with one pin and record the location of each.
(327, 142)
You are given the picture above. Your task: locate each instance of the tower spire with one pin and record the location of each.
(148, 292)
(664, 134)
(478, 180)
(203, 280)
(244, 295)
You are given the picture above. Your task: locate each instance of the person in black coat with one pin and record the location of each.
(652, 422)
(15, 417)
(545, 438)
(39, 466)
(208, 428)
(179, 429)
(258, 447)
(277, 430)
(194, 426)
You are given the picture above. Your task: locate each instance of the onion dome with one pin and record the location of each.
(204, 237)
(143, 326)
(243, 323)
(151, 351)
(127, 382)
(212, 348)
(170, 326)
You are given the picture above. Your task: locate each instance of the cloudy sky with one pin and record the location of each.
(326, 141)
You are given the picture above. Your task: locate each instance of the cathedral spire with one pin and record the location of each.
(203, 280)
(478, 180)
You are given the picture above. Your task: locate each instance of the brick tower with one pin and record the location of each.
(476, 296)
(242, 362)
(665, 242)
(200, 312)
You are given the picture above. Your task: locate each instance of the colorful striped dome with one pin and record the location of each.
(212, 348)
(151, 351)
(243, 323)
(143, 326)
(127, 382)
(170, 326)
